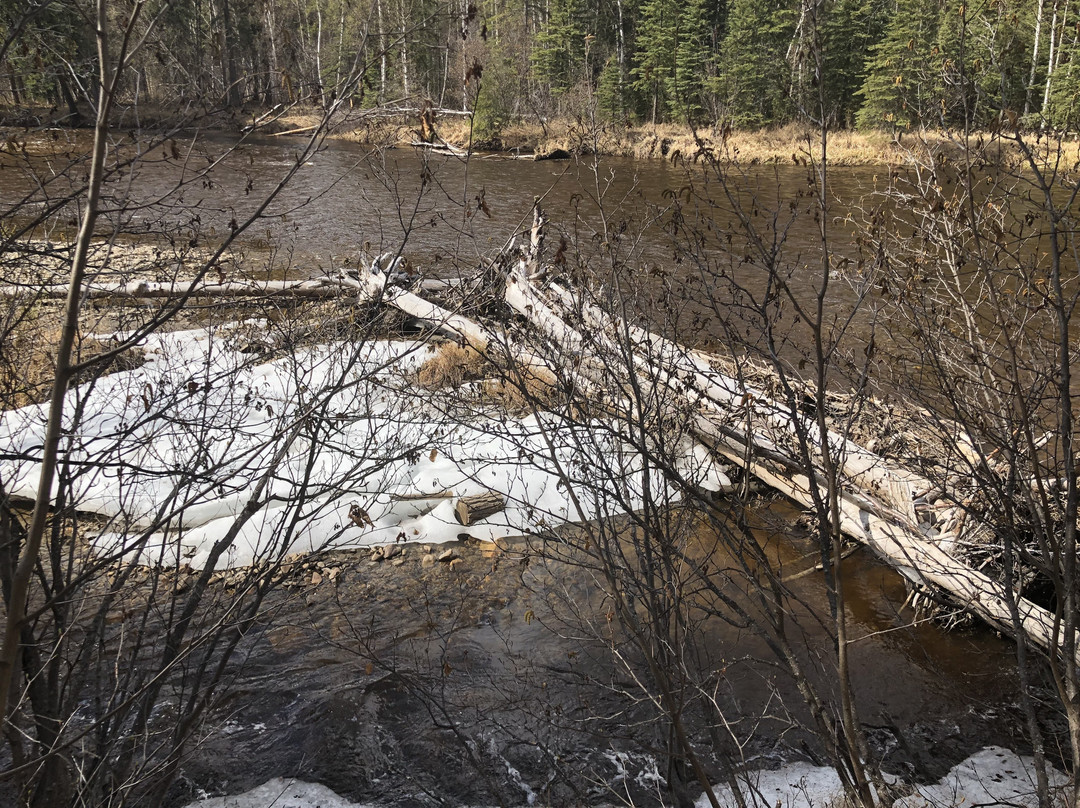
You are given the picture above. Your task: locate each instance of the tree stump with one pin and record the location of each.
(470, 510)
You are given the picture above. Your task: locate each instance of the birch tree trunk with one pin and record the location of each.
(1050, 61)
(1034, 57)
(382, 52)
(404, 50)
(275, 65)
(318, 51)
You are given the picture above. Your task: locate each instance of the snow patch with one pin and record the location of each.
(991, 778)
(282, 793)
(204, 451)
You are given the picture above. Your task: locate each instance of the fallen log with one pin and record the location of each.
(141, 288)
(376, 283)
(422, 497)
(880, 515)
(918, 560)
(471, 509)
(376, 287)
(859, 466)
(440, 148)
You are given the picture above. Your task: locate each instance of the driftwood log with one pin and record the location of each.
(746, 427)
(141, 288)
(476, 507)
(497, 347)
(422, 497)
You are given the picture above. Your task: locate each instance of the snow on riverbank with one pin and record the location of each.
(991, 778)
(204, 444)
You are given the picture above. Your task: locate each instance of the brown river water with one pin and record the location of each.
(415, 685)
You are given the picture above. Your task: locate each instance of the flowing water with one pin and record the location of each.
(415, 685)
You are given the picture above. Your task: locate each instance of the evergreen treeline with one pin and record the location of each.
(866, 63)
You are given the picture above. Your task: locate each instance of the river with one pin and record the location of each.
(440, 211)
(410, 686)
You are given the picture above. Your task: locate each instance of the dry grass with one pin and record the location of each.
(28, 361)
(519, 398)
(451, 365)
(664, 141)
(790, 144)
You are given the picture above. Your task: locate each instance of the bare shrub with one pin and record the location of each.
(28, 360)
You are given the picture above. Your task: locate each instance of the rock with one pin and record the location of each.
(427, 560)
(447, 555)
(397, 562)
(455, 563)
(334, 573)
(391, 550)
(316, 579)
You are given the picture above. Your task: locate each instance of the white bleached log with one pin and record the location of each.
(876, 503)
(920, 561)
(142, 288)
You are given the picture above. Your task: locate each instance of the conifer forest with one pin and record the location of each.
(886, 64)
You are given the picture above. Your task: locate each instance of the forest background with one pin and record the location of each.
(739, 63)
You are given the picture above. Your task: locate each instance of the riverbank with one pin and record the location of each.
(791, 144)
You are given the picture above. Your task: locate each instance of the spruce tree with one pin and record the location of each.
(850, 28)
(657, 39)
(1063, 110)
(902, 87)
(612, 92)
(983, 64)
(690, 79)
(559, 50)
(754, 76)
